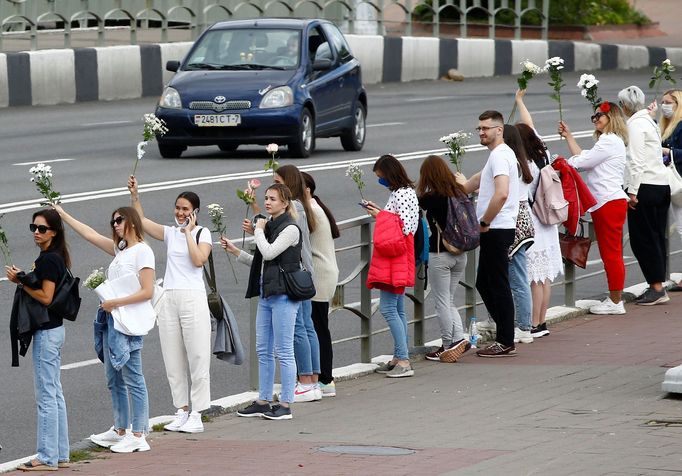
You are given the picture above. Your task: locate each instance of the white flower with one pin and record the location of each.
(583, 93)
(140, 149)
(666, 62)
(532, 67)
(555, 61)
(272, 148)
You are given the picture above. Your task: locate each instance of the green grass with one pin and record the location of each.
(79, 455)
(158, 427)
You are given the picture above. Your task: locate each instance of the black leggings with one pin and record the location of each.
(320, 317)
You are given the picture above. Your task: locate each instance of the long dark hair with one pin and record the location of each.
(58, 244)
(292, 178)
(513, 139)
(132, 219)
(435, 177)
(193, 199)
(310, 184)
(535, 148)
(393, 171)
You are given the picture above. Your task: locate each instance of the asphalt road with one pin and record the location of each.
(92, 147)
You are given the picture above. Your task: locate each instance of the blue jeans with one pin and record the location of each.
(392, 307)
(520, 288)
(306, 345)
(275, 321)
(53, 427)
(128, 380)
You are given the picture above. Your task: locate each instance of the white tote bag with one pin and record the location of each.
(675, 185)
(133, 319)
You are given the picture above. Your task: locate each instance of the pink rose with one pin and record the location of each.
(272, 148)
(254, 184)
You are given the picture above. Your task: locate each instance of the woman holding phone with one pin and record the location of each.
(184, 318)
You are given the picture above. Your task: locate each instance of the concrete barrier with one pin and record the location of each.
(53, 78)
(127, 72)
(119, 73)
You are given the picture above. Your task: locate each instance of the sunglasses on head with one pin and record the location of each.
(117, 221)
(42, 229)
(597, 116)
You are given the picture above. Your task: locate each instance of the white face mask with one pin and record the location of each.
(667, 110)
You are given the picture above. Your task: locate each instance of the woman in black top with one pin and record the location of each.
(48, 339)
(436, 185)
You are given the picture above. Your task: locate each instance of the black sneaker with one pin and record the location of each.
(497, 350)
(278, 412)
(539, 331)
(652, 297)
(254, 410)
(435, 355)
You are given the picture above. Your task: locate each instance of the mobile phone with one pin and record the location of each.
(363, 204)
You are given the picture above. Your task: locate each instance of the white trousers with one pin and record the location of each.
(185, 335)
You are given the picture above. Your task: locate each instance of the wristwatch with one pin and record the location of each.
(484, 224)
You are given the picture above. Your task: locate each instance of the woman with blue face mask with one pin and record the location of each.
(392, 267)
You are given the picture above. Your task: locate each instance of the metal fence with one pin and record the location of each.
(354, 285)
(32, 20)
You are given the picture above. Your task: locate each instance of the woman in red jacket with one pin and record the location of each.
(392, 266)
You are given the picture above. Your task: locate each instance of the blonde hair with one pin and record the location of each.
(285, 195)
(616, 124)
(668, 124)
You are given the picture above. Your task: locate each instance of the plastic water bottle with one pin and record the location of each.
(473, 332)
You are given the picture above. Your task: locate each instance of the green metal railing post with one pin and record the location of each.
(365, 295)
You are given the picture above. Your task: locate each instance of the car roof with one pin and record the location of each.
(294, 23)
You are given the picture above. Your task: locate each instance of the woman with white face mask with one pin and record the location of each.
(671, 136)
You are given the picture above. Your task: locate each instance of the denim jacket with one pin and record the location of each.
(120, 345)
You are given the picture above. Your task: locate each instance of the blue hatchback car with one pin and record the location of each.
(283, 81)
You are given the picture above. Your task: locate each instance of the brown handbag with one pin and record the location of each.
(575, 248)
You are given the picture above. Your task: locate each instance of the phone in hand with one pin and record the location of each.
(364, 204)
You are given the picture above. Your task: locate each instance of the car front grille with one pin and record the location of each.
(226, 106)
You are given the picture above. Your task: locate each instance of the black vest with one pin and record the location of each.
(289, 260)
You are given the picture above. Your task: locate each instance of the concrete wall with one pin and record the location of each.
(124, 72)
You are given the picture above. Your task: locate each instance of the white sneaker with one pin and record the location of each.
(487, 325)
(522, 336)
(181, 417)
(608, 307)
(193, 424)
(107, 439)
(318, 392)
(131, 444)
(304, 393)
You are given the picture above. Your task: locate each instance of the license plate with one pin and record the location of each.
(217, 120)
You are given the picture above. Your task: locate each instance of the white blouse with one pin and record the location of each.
(604, 167)
(405, 203)
(644, 164)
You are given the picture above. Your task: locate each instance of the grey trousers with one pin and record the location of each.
(445, 271)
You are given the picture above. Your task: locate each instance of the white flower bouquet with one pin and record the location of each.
(95, 279)
(355, 172)
(554, 66)
(664, 71)
(588, 89)
(455, 143)
(153, 127)
(42, 177)
(215, 212)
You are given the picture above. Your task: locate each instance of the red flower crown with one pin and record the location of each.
(604, 107)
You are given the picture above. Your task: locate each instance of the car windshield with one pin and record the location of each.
(246, 49)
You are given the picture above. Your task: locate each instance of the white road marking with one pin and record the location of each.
(36, 162)
(550, 111)
(196, 181)
(386, 124)
(109, 123)
(77, 365)
(431, 98)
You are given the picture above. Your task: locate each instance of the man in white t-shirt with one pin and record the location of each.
(496, 209)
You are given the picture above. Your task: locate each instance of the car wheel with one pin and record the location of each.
(354, 138)
(304, 144)
(228, 148)
(170, 151)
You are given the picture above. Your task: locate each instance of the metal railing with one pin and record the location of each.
(365, 308)
(31, 20)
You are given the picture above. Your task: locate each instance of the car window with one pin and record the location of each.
(247, 48)
(319, 46)
(340, 44)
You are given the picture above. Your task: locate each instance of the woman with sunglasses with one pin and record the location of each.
(604, 166)
(648, 188)
(48, 340)
(121, 353)
(184, 318)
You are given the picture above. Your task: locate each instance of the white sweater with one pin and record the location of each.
(645, 164)
(324, 256)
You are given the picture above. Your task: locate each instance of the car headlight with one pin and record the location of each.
(278, 97)
(170, 99)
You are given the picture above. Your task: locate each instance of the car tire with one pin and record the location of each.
(304, 144)
(228, 147)
(170, 151)
(354, 138)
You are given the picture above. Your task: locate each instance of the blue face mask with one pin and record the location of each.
(383, 181)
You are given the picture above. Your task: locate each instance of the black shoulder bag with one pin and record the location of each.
(66, 300)
(299, 282)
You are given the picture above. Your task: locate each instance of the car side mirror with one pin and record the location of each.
(322, 65)
(173, 66)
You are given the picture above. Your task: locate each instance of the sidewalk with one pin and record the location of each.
(584, 400)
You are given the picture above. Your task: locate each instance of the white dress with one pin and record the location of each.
(543, 259)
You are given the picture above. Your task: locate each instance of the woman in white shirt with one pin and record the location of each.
(184, 318)
(121, 353)
(648, 189)
(604, 167)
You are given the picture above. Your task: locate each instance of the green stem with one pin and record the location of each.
(135, 167)
(246, 215)
(234, 273)
(513, 112)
